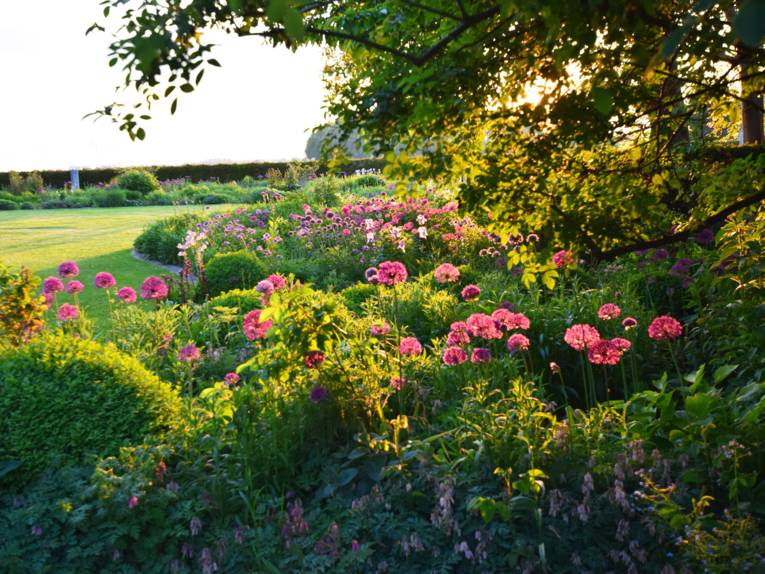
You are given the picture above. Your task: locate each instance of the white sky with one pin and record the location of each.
(260, 105)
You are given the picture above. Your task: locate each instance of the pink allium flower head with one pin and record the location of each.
(623, 345)
(231, 378)
(313, 359)
(371, 272)
(446, 273)
(517, 342)
(68, 269)
(604, 352)
(609, 311)
(397, 383)
(67, 312)
(629, 323)
(133, 502)
(253, 327)
(554, 368)
(380, 330)
(480, 355)
(454, 356)
(154, 288)
(458, 335)
(563, 259)
(391, 273)
(318, 394)
(127, 294)
(483, 326)
(509, 321)
(52, 285)
(104, 280)
(580, 337)
(48, 299)
(665, 328)
(278, 281)
(471, 292)
(189, 354)
(410, 346)
(74, 286)
(265, 287)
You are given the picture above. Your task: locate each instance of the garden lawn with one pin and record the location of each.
(98, 239)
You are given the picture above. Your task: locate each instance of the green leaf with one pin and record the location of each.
(214, 62)
(187, 88)
(722, 373)
(749, 23)
(293, 24)
(699, 406)
(672, 41)
(603, 100)
(8, 467)
(174, 106)
(140, 133)
(346, 476)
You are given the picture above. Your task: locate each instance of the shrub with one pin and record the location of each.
(158, 198)
(138, 180)
(111, 198)
(65, 398)
(55, 204)
(21, 311)
(8, 205)
(32, 183)
(214, 199)
(159, 241)
(236, 270)
(27, 205)
(243, 299)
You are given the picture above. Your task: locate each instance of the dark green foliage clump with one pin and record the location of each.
(237, 270)
(160, 240)
(63, 399)
(138, 180)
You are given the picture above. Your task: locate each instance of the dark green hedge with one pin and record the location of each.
(221, 172)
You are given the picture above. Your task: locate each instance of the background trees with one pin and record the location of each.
(588, 122)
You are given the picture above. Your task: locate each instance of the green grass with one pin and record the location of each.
(97, 239)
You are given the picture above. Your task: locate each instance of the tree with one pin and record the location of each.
(599, 159)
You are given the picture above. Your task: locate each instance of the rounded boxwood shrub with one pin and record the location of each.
(159, 241)
(138, 180)
(214, 199)
(237, 270)
(111, 198)
(63, 399)
(8, 205)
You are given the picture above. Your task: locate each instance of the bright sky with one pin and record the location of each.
(260, 105)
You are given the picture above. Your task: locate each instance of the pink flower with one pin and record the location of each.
(554, 368)
(471, 292)
(104, 280)
(604, 352)
(127, 294)
(629, 323)
(253, 327)
(410, 346)
(189, 354)
(665, 328)
(265, 287)
(609, 311)
(397, 384)
(391, 273)
(52, 285)
(623, 345)
(133, 502)
(380, 330)
(458, 335)
(48, 299)
(518, 342)
(509, 321)
(231, 378)
(278, 281)
(480, 355)
(313, 359)
(68, 269)
(154, 288)
(454, 356)
(581, 336)
(563, 259)
(446, 273)
(74, 286)
(67, 312)
(483, 326)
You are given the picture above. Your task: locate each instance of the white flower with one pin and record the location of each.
(370, 237)
(421, 219)
(422, 231)
(402, 245)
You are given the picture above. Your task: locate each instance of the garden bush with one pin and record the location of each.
(111, 198)
(63, 399)
(236, 270)
(159, 241)
(245, 300)
(138, 180)
(8, 205)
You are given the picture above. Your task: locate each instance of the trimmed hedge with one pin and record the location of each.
(63, 399)
(221, 172)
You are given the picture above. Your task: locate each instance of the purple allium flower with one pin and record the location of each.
(458, 334)
(319, 393)
(231, 378)
(36, 531)
(133, 502)
(446, 273)
(253, 327)
(127, 295)
(74, 286)
(265, 288)
(68, 312)
(629, 323)
(409, 346)
(189, 354)
(659, 254)
(454, 356)
(480, 355)
(471, 292)
(104, 280)
(154, 288)
(391, 273)
(705, 237)
(52, 285)
(68, 269)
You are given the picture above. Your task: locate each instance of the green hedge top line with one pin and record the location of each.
(223, 172)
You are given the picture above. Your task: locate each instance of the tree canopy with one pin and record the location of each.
(585, 121)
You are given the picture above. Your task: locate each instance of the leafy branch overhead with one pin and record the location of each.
(575, 119)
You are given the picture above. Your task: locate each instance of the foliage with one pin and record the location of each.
(21, 309)
(159, 241)
(66, 399)
(236, 270)
(138, 180)
(111, 198)
(19, 184)
(8, 205)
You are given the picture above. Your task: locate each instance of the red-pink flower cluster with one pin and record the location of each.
(253, 327)
(483, 326)
(563, 259)
(609, 311)
(581, 336)
(410, 346)
(454, 356)
(446, 273)
(665, 328)
(154, 288)
(517, 342)
(509, 321)
(391, 273)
